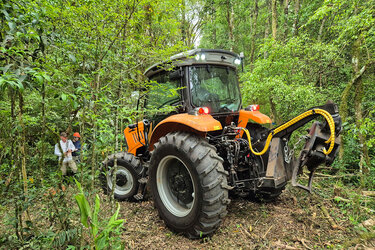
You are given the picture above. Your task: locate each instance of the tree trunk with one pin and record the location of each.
(321, 28)
(286, 12)
(358, 96)
(267, 29)
(12, 94)
(82, 139)
(365, 159)
(255, 19)
(274, 19)
(22, 143)
(116, 146)
(95, 126)
(17, 209)
(344, 103)
(183, 22)
(296, 13)
(43, 133)
(213, 19)
(274, 115)
(230, 20)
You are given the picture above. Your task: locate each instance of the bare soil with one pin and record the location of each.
(294, 221)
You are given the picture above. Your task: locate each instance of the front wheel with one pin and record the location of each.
(129, 171)
(189, 184)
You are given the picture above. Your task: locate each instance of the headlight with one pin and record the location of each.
(201, 57)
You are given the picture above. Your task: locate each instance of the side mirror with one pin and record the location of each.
(176, 75)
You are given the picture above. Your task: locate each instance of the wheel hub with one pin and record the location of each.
(124, 181)
(182, 188)
(121, 180)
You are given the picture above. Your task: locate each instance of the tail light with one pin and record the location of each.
(200, 111)
(203, 111)
(253, 107)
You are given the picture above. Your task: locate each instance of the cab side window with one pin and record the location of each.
(163, 91)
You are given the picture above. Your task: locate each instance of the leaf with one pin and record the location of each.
(39, 78)
(12, 26)
(84, 209)
(63, 96)
(47, 77)
(6, 14)
(22, 78)
(6, 68)
(115, 224)
(78, 185)
(72, 57)
(18, 85)
(101, 242)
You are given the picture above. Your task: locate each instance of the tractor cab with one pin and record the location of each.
(199, 80)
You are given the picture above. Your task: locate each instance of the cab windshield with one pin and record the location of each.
(214, 87)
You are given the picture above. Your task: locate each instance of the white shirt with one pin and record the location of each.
(65, 146)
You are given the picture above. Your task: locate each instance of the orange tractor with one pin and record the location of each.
(207, 148)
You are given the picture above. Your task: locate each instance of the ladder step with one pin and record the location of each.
(138, 197)
(143, 180)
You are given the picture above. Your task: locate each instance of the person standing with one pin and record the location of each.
(77, 145)
(65, 148)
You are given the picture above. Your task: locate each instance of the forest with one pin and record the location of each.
(74, 66)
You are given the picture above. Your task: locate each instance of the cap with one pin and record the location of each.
(76, 134)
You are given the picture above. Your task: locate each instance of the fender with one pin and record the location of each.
(198, 124)
(256, 116)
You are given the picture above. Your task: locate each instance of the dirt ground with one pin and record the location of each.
(294, 221)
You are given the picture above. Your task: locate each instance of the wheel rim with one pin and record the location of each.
(124, 180)
(175, 186)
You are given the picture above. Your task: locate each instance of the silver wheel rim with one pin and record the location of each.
(171, 202)
(121, 173)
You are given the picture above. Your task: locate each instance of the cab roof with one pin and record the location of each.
(193, 57)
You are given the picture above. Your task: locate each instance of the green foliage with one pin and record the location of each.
(287, 75)
(100, 236)
(73, 65)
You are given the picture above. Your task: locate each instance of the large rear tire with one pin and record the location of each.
(129, 171)
(188, 184)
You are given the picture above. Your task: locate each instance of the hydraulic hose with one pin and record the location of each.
(321, 112)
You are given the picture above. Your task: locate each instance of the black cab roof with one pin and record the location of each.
(196, 56)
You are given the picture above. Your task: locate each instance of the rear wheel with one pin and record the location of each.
(189, 184)
(129, 171)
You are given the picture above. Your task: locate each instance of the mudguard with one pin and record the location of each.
(198, 124)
